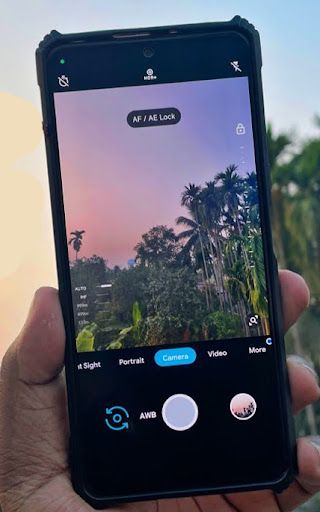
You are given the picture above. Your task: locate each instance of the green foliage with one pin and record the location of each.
(85, 338)
(131, 334)
(278, 146)
(223, 325)
(128, 288)
(123, 334)
(173, 293)
(115, 345)
(296, 206)
(296, 234)
(159, 329)
(209, 328)
(136, 314)
(159, 246)
(223, 239)
(106, 335)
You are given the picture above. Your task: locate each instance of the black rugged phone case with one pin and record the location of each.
(55, 39)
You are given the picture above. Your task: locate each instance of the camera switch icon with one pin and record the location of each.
(117, 418)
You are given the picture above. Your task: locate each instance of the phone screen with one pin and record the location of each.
(176, 370)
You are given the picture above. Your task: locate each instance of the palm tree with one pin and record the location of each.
(211, 208)
(76, 240)
(236, 282)
(194, 244)
(191, 199)
(256, 279)
(251, 189)
(232, 189)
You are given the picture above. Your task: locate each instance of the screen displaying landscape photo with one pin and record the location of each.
(162, 220)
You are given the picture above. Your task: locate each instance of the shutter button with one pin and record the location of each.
(180, 412)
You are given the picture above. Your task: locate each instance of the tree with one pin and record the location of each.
(278, 147)
(251, 190)
(128, 288)
(291, 200)
(173, 299)
(223, 325)
(303, 209)
(194, 247)
(76, 240)
(191, 199)
(224, 226)
(232, 188)
(159, 246)
(212, 215)
(256, 282)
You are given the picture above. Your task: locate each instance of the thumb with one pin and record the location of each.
(38, 351)
(33, 427)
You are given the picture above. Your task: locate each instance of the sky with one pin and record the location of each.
(290, 39)
(119, 181)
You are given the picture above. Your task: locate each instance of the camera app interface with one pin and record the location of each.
(162, 214)
(168, 283)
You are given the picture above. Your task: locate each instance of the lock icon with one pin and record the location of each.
(240, 129)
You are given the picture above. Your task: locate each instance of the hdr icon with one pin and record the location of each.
(150, 415)
(150, 75)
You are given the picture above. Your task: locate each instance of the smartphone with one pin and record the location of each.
(160, 192)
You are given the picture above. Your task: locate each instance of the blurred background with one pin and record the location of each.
(291, 75)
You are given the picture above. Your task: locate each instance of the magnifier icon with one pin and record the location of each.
(253, 320)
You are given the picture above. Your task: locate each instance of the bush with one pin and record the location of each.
(223, 325)
(158, 330)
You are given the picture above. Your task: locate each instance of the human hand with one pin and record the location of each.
(34, 474)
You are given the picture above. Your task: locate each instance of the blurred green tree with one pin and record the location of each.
(295, 174)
